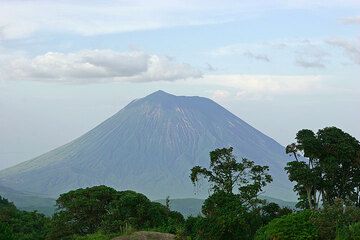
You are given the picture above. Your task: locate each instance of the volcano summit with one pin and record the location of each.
(150, 146)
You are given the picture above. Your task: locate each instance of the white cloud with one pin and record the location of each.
(310, 54)
(351, 20)
(19, 19)
(259, 57)
(309, 63)
(350, 47)
(220, 94)
(92, 66)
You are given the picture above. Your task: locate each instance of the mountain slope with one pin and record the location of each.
(150, 146)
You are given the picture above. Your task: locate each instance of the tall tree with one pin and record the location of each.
(226, 173)
(233, 211)
(329, 168)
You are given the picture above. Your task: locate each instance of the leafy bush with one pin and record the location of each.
(295, 226)
(335, 218)
(6, 232)
(21, 225)
(225, 217)
(87, 211)
(351, 232)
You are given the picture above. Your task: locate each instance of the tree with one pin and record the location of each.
(329, 168)
(226, 173)
(21, 225)
(233, 210)
(271, 211)
(101, 208)
(81, 211)
(332, 219)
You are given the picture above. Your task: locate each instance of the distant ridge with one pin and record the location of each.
(150, 146)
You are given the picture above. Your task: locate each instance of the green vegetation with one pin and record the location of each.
(21, 225)
(326, 173)
(296, 226)
(101, 208)
(330, 169)
(29, 201)
(234, 210)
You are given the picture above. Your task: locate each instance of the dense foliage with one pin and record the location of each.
(331, 222)
(21, 225)
(329, 170)
(296, 226)
(229, 215)
(226, 173)
(101, 208)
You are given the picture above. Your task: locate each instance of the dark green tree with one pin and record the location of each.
(100, 208)
(329, 168)
(233, 211)
(81, 211)
(21, 225)
(270, 211)
(226, 173)
(6, 232)
(332, 219)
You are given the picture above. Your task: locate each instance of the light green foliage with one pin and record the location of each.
(335, 221)
(295, 226)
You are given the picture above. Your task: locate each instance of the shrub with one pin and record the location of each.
(295, 226)
(351, 232)
(334, 218)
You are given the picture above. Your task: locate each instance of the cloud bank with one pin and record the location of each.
(95, 66)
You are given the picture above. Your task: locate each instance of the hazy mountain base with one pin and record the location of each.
(150, 146)
(29, 201)
(192, 206)
(45, 205)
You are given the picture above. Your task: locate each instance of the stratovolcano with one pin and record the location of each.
(150, 146)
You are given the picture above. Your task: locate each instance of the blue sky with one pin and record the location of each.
(280, 66)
